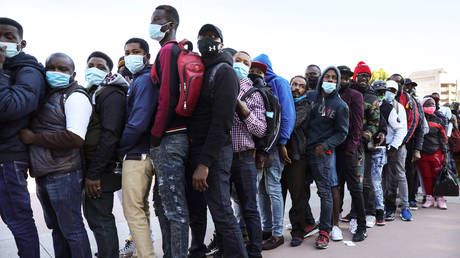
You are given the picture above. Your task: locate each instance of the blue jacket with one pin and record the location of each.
(141, 104)
(22, 88)
(282, 91)
(329, 117)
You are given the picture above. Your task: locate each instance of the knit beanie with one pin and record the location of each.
(362, 67)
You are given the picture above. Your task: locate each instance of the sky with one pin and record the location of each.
(400, 36)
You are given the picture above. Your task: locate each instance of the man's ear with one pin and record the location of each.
(72, 77)
(22, 45)
(147, 58)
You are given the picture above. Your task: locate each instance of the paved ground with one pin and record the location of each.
(434, 233)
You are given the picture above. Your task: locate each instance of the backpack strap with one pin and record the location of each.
(249, 93)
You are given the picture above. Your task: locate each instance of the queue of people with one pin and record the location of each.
(208, 130)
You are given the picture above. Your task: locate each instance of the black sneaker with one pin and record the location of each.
(272, 243)
(389, 216)
(380, 217)
(266, 235)
(360, 235)
(413, 205)
(218, 254)
(212, 248)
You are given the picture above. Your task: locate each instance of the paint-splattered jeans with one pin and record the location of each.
(379, 159)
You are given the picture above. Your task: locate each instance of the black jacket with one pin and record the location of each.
(212, 119)
(297, 144)
(436, 138)
(22, 88)
(110, 107)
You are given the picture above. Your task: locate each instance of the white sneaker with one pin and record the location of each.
(289, 226)
(370, 221)
(336, 234)
(353, 226)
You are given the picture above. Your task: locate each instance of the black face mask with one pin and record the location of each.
(256, 79)
(312, 81)
(208, 47)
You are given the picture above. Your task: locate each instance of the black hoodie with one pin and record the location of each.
(22, 88)
(212, 119)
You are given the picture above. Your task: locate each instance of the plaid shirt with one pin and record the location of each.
(253, 125)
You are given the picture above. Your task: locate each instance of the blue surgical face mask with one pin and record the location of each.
(57, 79)
(389, 96)
(329, 87)
(94, 76)
(156, 33)
(11, 49)
(241, 70)
(134, 63)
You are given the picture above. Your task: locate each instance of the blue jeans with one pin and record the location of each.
(169, 194)
(333, 170)
(271, 197)
(319, 166)
(60, 195)
(15, 208)
(244, 177)
(379, 159)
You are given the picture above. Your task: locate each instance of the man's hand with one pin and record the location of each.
(199, 178)
(26, 136)
(391, 153)
(260, 161)
(242, 109)
(284, 157)
(93, 188)
(367, 136)
(2, 56)
(416, 156)
(445, 161)
(319, 150)
(381, 138)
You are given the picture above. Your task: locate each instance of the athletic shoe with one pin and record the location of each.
(336, 234)
(310, 230)
(272, 243)
(360, 235)
(353, 225)
(266, 235)
(413, 205)
(322, 241)
(380, 218)
(128, 250)
(289, 226)
(442, 203)
(296, 241)
(212, 248)
(429, 202)
(389, 216)
(218, 255)
(406, 215)
(370, 221)
(345, 219)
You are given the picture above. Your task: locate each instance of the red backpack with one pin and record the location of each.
(191, 72)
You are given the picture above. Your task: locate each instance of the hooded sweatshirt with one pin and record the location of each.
(329, 117)
(355, 102)
(22, 88)
(282, 91)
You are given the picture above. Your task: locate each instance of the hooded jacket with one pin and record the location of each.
(436, 138)
(212, 119)
(371, 112)
(329, 119)
(282, 91)
(296, 145)
(355, 102)
(141, 103)
(109, 106)
(22, 88)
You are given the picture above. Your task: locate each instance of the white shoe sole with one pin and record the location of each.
(314, 231)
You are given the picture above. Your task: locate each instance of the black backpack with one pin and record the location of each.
(272, 117)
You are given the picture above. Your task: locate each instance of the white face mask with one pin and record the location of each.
(11, 49)
(156, 33)
(389, 96)
(94, 76)
(134, 63)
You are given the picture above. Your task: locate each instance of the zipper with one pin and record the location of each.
(185, 80)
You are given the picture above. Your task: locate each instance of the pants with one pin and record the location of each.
(60, 195)
(319, 166)
(217, 197)
(271, 198)
(295, 174)
(378, 161)
(364, 173)
(169, 194)
(411, 172)
(430, 166)
(347, 172)
(15, 208)
(136, 182)
(244, 178)
(395, 176)
(98, 214)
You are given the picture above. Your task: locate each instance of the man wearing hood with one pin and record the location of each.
(271, 195)
(211, 149)
(56, 136)
(347, 152)
(328, 128)
(108, 98)
(137, 171)
(22, 87)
